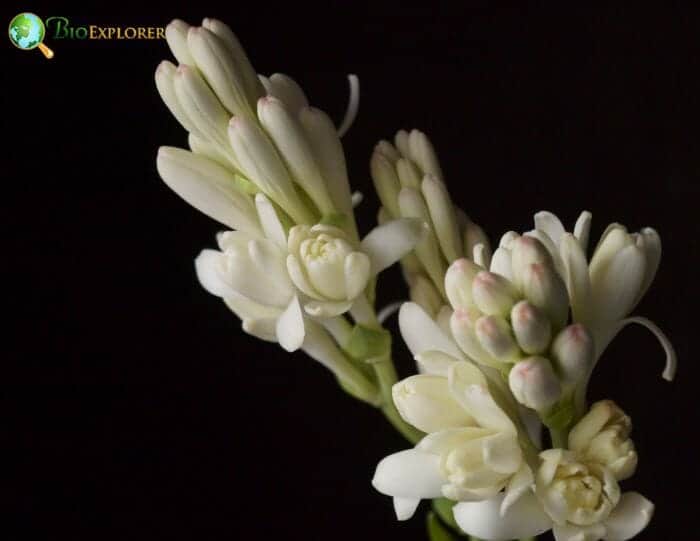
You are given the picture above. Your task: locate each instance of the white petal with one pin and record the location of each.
(207, 265)
(469, 388)
(501, 263)
(575, 274)
(271, 264)
(176, 37)
(550, 224)
(357, 274)
(425, 402)
(247, 309)
(630, 516)
(270, 222)
(578, 533)
(405, 507)
(422, 333)
(388, 243)
(298, 276)
(436, 363)
(502, 453)
(286, 89)
(525, 518)
(409, 474)
(265, 329)
(326, 308)
(208, 187)
(582, 229)
(290, 327)
(519, 484)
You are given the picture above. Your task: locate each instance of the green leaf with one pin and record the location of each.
(366, 344)
(436, 531)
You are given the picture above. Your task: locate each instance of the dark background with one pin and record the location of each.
(134, 407)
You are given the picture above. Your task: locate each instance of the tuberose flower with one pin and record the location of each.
(583, 500)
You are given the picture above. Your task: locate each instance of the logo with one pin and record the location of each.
(27, 32)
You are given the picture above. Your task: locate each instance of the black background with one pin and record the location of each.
(133, 405)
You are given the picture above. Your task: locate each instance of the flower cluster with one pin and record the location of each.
(516, 352)
(505, 341)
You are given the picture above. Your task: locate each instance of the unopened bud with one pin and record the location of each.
(462, 326)
(409, 175)
(493, 294)
(544, 288)
(525, 251)
(458, 283)
(534, 383)
(532, 328)
(572, 353)
(386, 182)
(176, 37)
(495, 337)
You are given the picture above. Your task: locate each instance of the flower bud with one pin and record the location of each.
(532, 328)
(409, 175)
(572, 353)
(289, 138)
(525, 251)
(287, 90)
(386, 182)
(458, 283)
(200, 104)
(493, 294)
(462, 324)
(176, 37)
(544, 288)
(443, 217)
(165, 83)
(474, 235)
(220, 69)
(534, 383)
(423, 293)
(423, 153)
(495, 337)
(602, 436)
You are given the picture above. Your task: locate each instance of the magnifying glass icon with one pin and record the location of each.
(27, 32)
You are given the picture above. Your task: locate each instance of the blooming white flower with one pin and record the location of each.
(472, 452)
(584, 502)
(602, 436)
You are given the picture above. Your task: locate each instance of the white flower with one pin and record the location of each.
(584, 502)
(602, 436)
(604, 292)
(471, 451)
(324, 264)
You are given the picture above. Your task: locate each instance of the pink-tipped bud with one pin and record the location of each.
(531, 327)
(493, 294)
(572, 353)
(525, 251)
(534, 383)
(458, 283)
(544, 288)
(495, 337)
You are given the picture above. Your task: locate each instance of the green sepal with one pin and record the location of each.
(443, 508)
(436, 530)
(366, 344)
(561, 415)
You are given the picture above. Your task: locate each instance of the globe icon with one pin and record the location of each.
(26, 31)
